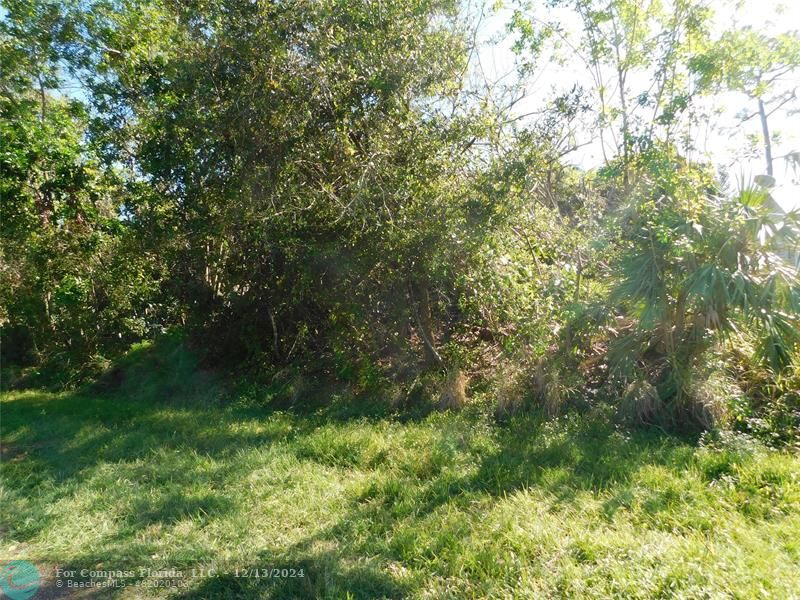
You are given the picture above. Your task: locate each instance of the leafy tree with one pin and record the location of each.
(306, 162)
(72, 284)
(634, 54)
(756, 65)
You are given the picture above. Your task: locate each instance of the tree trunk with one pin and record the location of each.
(276, 348)
(762, 113)
(42, 97)
(625, 128)
(579, 273)
(421, 304)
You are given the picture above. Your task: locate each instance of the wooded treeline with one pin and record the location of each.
(331, 185)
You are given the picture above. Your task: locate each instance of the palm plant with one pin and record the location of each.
(697, 268)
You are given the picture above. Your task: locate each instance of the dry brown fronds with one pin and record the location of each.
(642, 402)
(512, 385)
(454, 392)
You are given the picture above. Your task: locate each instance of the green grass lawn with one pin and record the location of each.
(438, 505)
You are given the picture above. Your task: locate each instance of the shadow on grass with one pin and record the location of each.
(313, 574)
(140, 425)
(584, 458)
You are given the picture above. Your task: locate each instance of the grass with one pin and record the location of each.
(158, 473)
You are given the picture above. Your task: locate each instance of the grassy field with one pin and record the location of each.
(158, 474)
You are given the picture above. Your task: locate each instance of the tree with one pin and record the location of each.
(72, 284)
(635, 55)
(756, 65)
(307, 178)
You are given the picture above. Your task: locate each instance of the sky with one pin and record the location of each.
(721, 139)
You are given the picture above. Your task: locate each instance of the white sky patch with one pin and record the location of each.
(722, 139)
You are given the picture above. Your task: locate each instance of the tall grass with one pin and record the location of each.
(386, 505)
